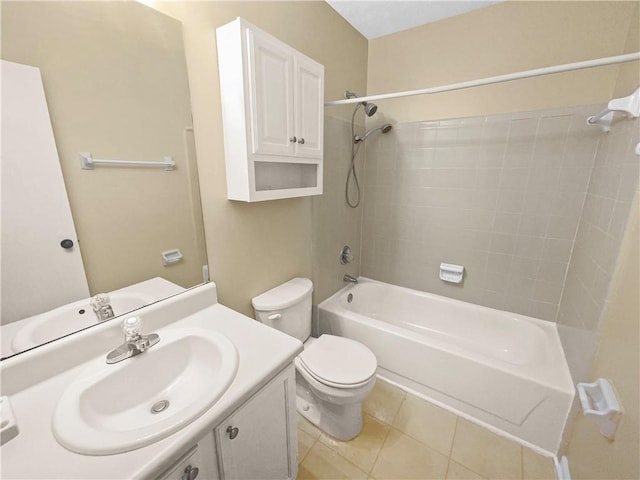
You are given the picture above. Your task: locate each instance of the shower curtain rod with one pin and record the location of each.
(568, 67)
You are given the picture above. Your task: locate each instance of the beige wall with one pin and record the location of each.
(115, 78)
(628, 73)
(504, 38)
(253, 247)
(590, 454)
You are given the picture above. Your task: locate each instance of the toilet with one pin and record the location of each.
(334, 374)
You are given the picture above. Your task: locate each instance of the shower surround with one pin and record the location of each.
(511, 197)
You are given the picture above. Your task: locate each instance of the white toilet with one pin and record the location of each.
(333, 375)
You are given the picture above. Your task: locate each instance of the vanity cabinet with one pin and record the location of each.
(257, 441)
(198, 463)
(273, 115)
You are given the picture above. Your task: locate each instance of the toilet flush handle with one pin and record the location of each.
(274, 316)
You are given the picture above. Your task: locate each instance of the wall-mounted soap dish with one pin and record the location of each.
(451, 273)
(599, 403)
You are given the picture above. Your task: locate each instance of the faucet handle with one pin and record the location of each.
(131, 327)
(99, 300)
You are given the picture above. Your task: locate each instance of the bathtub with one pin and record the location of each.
(500, 369)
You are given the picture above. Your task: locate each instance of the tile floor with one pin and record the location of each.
(405, 437)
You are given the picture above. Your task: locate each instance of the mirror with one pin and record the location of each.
(115, 82)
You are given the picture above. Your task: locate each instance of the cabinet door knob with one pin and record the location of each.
(232, 432)
(301, 141)
(293, 139)
(190, 473)
(66, 244)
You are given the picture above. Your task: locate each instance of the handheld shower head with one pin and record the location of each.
(384, 128)
(369, 109)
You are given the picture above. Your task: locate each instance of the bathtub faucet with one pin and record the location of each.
(349, 278)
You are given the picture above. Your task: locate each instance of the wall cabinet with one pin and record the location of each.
(257, 441)
(273, 115)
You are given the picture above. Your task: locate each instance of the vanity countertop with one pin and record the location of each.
(34, 382)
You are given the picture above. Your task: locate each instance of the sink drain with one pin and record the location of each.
(160, 406)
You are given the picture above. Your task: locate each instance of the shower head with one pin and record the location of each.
(369, 108)
(384, 128)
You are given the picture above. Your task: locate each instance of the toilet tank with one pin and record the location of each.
(287, 307)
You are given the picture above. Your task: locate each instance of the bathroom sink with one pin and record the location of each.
(71, 318)
(120, 407)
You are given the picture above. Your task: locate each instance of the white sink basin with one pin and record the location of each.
(71, 318)
(108, 409)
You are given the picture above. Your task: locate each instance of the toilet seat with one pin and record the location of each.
(338, 362)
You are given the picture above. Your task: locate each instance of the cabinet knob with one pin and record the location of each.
(293, 139)
(66, 244)
(301, 141)
(232, 432)
(190, 473)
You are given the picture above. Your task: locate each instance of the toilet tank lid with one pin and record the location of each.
(283, 296)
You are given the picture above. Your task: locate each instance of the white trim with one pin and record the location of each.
(562, 468)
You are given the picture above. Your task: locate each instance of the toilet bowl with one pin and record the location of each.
(334, 375)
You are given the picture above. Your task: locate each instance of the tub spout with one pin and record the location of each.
(349, 278)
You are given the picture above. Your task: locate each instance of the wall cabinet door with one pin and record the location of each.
(287, 96)
(271, 101)
(309, 95)
(258, 440)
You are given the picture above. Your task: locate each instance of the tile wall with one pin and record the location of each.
(511, 197)
(501, 195)
(610, 195)
(334, 223)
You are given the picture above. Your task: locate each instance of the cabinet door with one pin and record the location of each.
(309, 108)
(258, 440)
(271, 91)
(199, 463)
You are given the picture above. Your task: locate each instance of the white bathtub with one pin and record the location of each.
(502, 369)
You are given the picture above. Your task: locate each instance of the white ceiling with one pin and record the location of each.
(377, 18)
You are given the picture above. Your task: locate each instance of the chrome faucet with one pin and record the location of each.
(349, 278)
(101, 305)
(134, 343)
